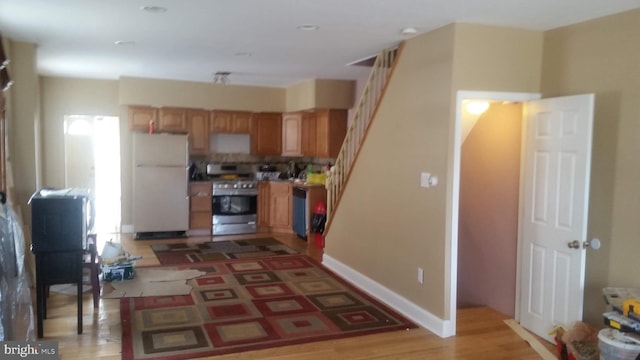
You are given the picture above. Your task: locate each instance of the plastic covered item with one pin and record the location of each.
(16, 311)
(614, 345)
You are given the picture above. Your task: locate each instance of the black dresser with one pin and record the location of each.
(61, 221)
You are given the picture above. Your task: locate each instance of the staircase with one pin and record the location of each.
(364, 113)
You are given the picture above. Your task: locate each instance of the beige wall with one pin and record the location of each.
(601, 57)
(384, 213)
(23, 123)
(321, 94)
(387, 225)
(488, 222)
(490, 58)
(154, 92)
(300, 96)
(67, 96)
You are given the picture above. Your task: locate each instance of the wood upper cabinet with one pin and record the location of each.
(308, 134)
(172, 120)
(220, 121)
(317, 133)
(280, 202)
(291, 131)
(198, 124)
(241, 122)
(140, 116)
(266, 137)
(331, 128)
(238, 122)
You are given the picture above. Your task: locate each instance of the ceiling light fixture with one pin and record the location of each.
(477, 107)
(409, 31)
(221, 77)
(308, 27)
(154, 9)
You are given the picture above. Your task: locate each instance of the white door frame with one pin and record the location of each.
(453, 193)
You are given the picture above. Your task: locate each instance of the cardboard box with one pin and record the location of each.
(118, 272)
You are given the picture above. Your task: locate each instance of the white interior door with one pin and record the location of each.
(555, 194)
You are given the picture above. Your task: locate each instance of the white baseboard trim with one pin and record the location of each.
(407, 308)
(126, 229)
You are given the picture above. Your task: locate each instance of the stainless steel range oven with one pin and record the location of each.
(234, 199)
(234, 205)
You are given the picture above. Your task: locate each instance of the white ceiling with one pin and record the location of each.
(256, 40)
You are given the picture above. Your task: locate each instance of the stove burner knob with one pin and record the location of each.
(244, 186)
(235, 186)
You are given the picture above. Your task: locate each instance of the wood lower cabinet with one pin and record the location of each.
(172, 120)
(266, 137)
(263, 206)
(198, 124)
(275, 204)
(200, 208)
(140, 116)
(280, 206)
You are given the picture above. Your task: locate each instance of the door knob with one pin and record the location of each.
(593, 243)
(575, 244)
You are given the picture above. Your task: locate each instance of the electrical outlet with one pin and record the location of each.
(420, 275)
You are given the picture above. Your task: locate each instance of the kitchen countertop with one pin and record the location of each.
(294, 183)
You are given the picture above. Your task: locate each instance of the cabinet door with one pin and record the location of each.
(241, 122)
(263, 204)
(172, 120)
(280, 206)
(331, 128)
(140, 116)
(266, 138)
(291, 141)
(198, 122)
(200, 206)
(220, 121)
(308, 134)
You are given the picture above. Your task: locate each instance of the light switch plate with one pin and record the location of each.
(424, 179)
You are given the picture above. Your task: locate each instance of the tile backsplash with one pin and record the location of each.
(281, 162)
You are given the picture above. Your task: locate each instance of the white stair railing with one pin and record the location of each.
(362, 117)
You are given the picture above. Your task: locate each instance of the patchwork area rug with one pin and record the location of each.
(172, 254)
(251, 304)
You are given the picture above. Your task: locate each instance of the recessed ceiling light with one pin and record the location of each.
(308, 27)
(124, 42)
(154, 9)
(409, 31)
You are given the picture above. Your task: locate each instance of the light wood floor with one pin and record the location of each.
(482, 333)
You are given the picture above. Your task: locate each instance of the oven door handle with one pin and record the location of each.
(235, 193)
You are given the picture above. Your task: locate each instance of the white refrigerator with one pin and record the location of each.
(160, 184)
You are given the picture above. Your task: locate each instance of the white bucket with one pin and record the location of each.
(615, 346)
